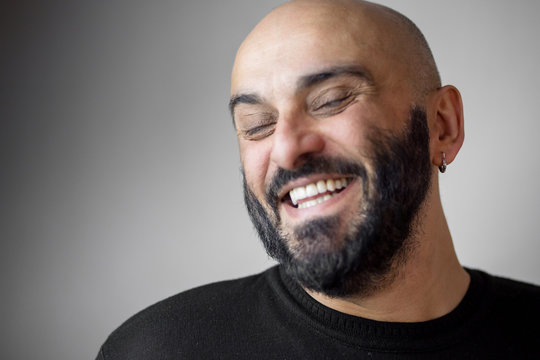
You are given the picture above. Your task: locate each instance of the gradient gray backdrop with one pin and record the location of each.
(119, 168)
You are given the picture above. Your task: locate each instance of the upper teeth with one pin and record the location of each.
(320, 187)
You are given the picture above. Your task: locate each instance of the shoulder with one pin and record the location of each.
(512, 294)
(507, 311)
(172, 325)
(515, 303)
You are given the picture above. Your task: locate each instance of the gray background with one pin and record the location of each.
(119, 169)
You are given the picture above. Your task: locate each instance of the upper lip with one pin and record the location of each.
(306, 181)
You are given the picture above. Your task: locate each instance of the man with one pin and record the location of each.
(343, 128)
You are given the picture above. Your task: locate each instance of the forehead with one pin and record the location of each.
(275, 55)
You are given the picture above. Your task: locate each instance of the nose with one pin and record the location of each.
(295, 138)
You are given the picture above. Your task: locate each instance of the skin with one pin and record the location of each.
(280, 121)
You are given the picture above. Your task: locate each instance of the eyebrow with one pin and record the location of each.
(307, 81)
(252, 99)
(351, 70)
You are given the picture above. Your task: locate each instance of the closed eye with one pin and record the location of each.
(254, 124)
(332, 103)
(258, 132)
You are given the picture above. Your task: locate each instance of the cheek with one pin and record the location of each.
(347, 133)
(254, 157)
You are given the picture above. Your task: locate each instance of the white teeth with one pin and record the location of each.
(307, 204)
(331, 185)
(321, 187)
(292, 194)
(311, 190)
(316, 201)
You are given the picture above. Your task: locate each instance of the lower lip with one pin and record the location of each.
(321, 208)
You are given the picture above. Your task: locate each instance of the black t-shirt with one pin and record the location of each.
(269, 316)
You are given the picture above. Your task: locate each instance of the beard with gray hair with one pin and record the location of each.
(379, 238)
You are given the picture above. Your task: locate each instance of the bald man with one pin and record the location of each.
(343, 127)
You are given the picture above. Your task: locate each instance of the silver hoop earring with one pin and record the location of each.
(442, 168)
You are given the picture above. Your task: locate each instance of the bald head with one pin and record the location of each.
(381, 34)
(340, 92)
(408, 37)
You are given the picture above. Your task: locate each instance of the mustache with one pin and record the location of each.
(312, 165)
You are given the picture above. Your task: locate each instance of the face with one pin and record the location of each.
(340, 259)
(334, 156)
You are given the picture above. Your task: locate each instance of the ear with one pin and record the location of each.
(446, 124)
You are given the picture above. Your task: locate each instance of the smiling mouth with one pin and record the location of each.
(303, 197)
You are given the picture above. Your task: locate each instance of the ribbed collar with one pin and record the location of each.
(390, 336)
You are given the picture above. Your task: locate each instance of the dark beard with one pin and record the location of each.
(379, 237)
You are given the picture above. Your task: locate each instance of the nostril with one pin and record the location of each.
(292, 147)
(301, 159)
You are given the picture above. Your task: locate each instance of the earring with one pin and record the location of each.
(442, 168)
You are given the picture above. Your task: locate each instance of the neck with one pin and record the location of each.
(430, 284)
